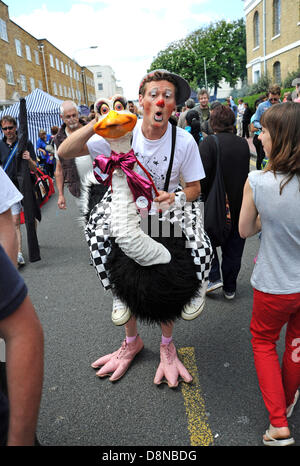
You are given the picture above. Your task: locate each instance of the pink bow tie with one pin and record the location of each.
(140, 187)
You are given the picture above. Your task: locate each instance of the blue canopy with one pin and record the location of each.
(43, 112)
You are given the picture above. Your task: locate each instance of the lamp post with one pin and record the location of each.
(204, 65)
(205, 77)
(82, 73)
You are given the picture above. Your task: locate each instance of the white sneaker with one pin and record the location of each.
(20, 259)
(195, 307)
(120, 313)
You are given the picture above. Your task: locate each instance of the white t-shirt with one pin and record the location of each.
(9, 194)
(154, 155)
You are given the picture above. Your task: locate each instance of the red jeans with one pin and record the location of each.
(278, 385)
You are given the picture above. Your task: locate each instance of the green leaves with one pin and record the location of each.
(221, 44)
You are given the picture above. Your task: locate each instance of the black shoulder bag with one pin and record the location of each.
(217, 217)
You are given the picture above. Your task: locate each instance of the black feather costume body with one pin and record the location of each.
(155, 293)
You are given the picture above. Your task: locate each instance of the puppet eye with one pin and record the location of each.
(119, 106)
(102, 108)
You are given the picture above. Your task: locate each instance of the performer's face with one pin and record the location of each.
(158, 103)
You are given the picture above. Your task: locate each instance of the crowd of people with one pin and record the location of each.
(260, 203)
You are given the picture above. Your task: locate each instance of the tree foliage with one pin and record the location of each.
(221, 44)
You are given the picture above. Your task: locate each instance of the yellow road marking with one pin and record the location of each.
(200, 433)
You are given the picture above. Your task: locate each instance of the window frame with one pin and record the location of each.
(3, 30)
(9, 74)
(28, 52)
(18, 45)
(256, 34)
(276, 18)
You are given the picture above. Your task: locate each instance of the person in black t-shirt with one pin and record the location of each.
(235, 160)
(8, 152)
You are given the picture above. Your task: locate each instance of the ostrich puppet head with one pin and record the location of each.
(114, 122)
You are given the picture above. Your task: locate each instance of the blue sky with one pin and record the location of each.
(128, 35)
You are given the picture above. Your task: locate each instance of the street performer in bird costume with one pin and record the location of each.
(157, 273)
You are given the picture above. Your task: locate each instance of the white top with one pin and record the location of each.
(277, 268)
(9, 194)
(154, 155)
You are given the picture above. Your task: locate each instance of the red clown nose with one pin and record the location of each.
(160, 103)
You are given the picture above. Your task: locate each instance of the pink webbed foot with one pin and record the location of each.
(171, 367)
(117, 363)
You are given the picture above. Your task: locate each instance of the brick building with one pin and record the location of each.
(273, 38)
(27, 63)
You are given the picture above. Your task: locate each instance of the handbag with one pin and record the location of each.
(43, 186)
(217, 216)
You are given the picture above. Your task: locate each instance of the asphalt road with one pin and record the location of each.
(79, 409)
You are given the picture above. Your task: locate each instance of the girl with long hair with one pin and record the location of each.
(271, 204)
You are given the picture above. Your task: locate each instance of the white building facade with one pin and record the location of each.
(105, 81)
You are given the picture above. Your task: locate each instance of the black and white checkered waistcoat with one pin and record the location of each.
(188, 218)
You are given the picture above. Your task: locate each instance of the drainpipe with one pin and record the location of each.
(264, 36)
(45, 71)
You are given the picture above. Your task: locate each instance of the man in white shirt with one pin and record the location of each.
(159, 93)
(70, 172)
(239, 118)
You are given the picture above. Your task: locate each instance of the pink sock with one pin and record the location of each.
(130, 339)
(165, 340)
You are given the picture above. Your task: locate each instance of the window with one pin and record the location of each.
(32, 85)
(28, 52)
(61, 90)
(277, 72)
(3, 30)
(37, 57)
(99, 74)
(23, 82)
(40, 84)
(276, 17)
(256, 29)
(57, 64)
(51, 60)
(256, 76)
(65, 91)
(62, 68)
(54, 88)
(9, 74)
(18, 47)
(66, 70)
(100, 87)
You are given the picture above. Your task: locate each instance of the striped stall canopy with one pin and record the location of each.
(43, 112)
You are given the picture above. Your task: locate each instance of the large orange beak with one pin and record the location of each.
(115, 125)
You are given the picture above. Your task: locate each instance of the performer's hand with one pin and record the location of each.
(164, 200)
(61, 202)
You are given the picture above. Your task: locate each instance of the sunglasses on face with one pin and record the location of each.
(7, 128)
